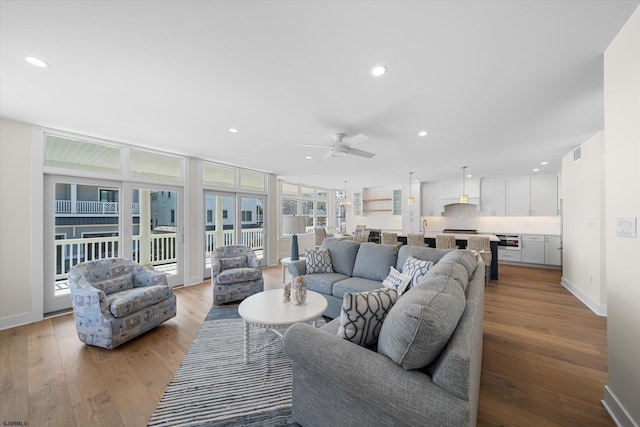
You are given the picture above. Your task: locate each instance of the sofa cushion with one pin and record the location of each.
(233, 262)
(343, 254)
(235, 275)
(354, 284)
(115, 284)
(450, 269)
(323, 283)
(373, 261)
(396, 280)
(317, 261)
(464, 257)
(421, 322)
(135, 299)
(416, 269)
(363, 313)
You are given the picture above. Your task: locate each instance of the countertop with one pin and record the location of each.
(432, 235)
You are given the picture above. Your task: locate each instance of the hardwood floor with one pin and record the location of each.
(544, 361)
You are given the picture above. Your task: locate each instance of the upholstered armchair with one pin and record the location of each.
(116, 299)
(235, 273)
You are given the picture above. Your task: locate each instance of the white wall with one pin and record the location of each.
(622, 165)
(15, 226)
(583, 250)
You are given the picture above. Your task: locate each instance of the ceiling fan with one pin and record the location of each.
(343, 146)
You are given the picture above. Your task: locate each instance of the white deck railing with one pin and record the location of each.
(70, 252)
(94, 208)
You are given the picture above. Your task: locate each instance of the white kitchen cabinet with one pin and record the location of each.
(518, 196)
(509, 255)
(492, 197)
(552, 250)
(533, 248)
(357, 203)
(532, 196)
(544, 196)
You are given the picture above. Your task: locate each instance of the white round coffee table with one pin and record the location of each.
(266, 310)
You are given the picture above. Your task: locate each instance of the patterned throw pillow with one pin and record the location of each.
(397, 281)
(416, 268)
(363, 313)
(318, 261)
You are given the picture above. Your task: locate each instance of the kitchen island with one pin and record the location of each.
(461, 241)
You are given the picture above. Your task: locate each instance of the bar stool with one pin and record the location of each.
(446, 241)
(482, 245)
(414, 239)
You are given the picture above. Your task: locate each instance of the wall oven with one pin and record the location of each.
(512, 242)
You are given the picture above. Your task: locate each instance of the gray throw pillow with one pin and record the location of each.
(420, 323)
(363, 314)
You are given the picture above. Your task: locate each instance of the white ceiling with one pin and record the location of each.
(499, 85)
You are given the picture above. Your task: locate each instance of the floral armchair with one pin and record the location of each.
(115, 300)
(235, 273)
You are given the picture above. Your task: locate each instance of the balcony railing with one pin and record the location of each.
(70, 252)
(92, 208)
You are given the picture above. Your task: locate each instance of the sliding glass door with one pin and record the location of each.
(233, 219)
(82, 223)
(155, 229)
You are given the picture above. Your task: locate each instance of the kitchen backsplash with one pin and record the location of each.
(550, 225)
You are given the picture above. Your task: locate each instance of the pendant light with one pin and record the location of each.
(410, 199)
(464, 198)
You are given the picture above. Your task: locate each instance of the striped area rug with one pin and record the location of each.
(214, 387)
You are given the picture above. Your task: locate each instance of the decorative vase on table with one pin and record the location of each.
(299, 291)
(286, 293)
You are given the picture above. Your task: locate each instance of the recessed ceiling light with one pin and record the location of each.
(536, 170)
(378, 70)
(36, 61)
(422, 133)
(233, 130)
(544, 163)
(469, 176)
(308, 157)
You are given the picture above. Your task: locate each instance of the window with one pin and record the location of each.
(108, 195)
(143, 163)
(71, 154)
(209, 215)
(252, 181)
(173, 216)
(225, 214)
(246, 216)
(310, 202)
(218, 176)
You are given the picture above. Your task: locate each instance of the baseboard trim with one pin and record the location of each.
(17, 320)
(618, 413)
(599, 309)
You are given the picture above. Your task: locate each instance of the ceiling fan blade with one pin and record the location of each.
(313, 145)
(354, 140)
(360, 153)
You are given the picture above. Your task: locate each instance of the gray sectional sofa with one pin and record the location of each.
(415, 375)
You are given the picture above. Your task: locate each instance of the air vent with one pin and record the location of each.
(576, 154)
